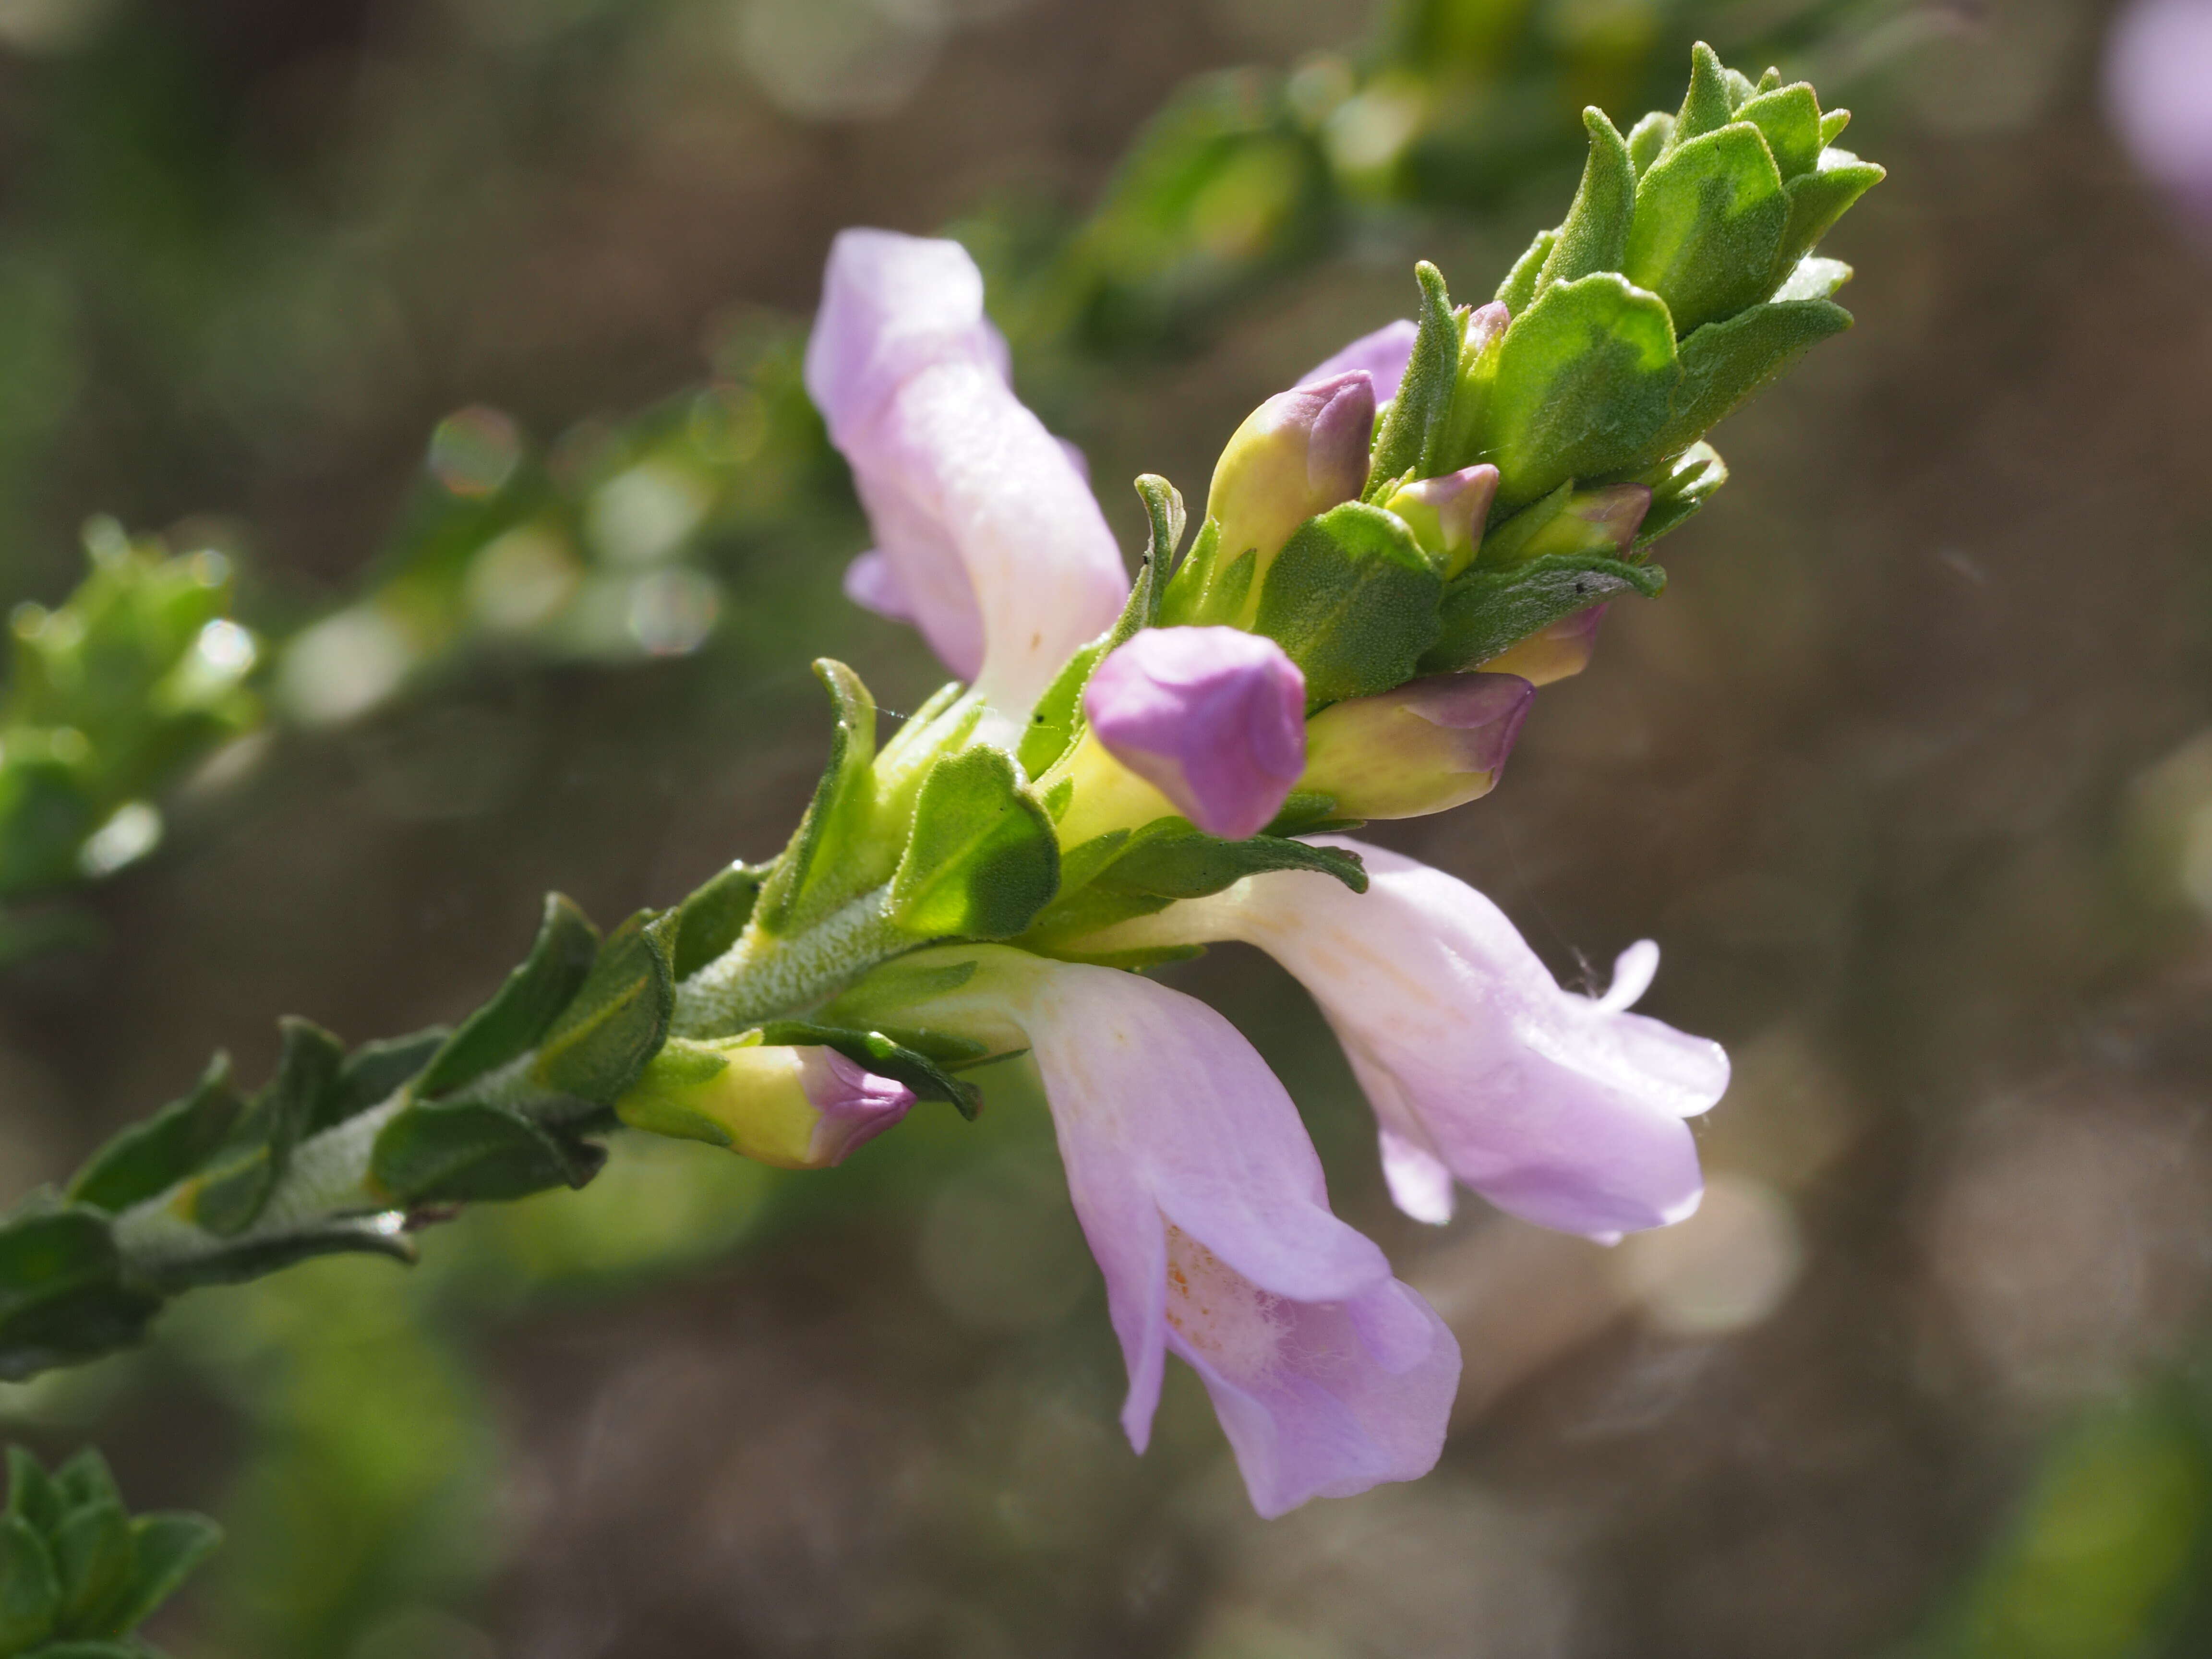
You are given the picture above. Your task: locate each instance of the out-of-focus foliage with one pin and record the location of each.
(111, 697)
(79, 1573)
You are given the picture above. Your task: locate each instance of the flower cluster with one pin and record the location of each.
(1194, 1180)
(1394, 554)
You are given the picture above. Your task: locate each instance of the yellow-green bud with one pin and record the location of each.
(798, 1108)
(1429, 745)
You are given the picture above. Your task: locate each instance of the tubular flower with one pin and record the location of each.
(987, 537)
(1203, 1201)
(1212, 718)
(1565, 1110)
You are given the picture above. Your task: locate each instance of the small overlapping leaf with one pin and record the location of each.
(282, 1115)
(467, 1152)
(63, 1294)
(982, 859)
(1409, 440)
(708, 922)
(149, 1157)
(1351, 599)
(1709, 217)
(506, 1028)
(1488, 610)
(618, 1018)
(78, 1574)
(1585, 383)
(818, 870)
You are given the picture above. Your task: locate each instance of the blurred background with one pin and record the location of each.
(419, 379)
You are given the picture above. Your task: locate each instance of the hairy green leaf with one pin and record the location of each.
(1351, 599)
(1595, 234)
(1706, 106)
(1790, 118)
(1647, 140)
(93, 1559)
(1519, 288)
(1413, 430)
(618, 1019)
(982, 860)
(1723, 363)
(377, 1070)
(1584, 381)
(31, 1492)
(167, 1547)
(708, 922)
(815, 873)
(280, 1117)
(1818, 198)
(62, 1296)
(1489, 610)
(467, 1153)
(503, 1029)
(1679, 489)
(1710, 217)
(148, 1157)
(1186, 863)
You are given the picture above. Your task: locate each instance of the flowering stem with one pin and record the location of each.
(767, 976)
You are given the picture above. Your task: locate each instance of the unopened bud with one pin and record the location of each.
(798, 1108)
(1556, 652)
(1580, 522)
(1300, 453)
(1445, 515)
(1209, 722)
(1429, 745)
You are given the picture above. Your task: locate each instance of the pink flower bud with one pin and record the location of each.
(796, 1107)
(1429, 745)
(1557, 652)
(1301, 453)
(1446, 514)
(1213, 718)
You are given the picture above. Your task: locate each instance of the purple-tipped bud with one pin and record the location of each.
(1446, 513)
(796, 1107)
(1557, 652)
(1594, 522)
(1428, 746)
(1301, 453)
(1212, 718)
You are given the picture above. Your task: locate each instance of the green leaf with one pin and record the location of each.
(1413, 430)
(30, 1588)
(1710, 217)
(94, 1557)
(503, 1029)
(1790, 118)
(982, 860)
(307, 1077)
(1595, 234)
(254, 1258)
(1184, 863)
(1679, 489)
(167, 1547)
(377, 1070)
(1817, 200)
(86, 1479)
(433, 1154)
(1489, 610)
(709, 921)
(30, 1492)
(1057, 719)
(1706, 106)
(1833, 124)
(1351, 599)
(149, 1157)
(1519, 288)
(813, 874)
(1723, 363)
(619, 1019)
(62, 1297)
(1647, 140)
(1584, 383)
(881, 1054)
